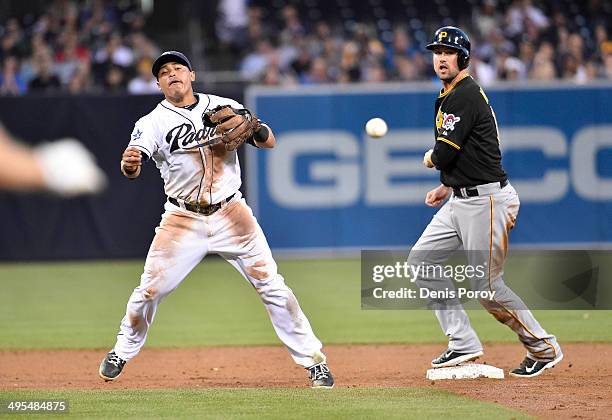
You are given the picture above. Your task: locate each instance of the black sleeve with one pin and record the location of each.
(443, 155)
(455, 119)
(251, 141)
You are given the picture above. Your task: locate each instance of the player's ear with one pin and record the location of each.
(193, 76)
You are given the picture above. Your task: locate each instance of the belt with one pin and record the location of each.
(485, 189)
(196, 208)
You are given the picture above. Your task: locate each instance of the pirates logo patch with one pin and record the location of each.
(446, 121)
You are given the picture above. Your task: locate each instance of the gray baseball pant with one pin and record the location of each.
(481, 225)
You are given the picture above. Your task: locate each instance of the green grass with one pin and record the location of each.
(352, 403)
(80, 305)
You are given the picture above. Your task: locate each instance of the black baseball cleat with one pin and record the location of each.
(530, 368)
(111, 366)
(320, 376)
(454, 358)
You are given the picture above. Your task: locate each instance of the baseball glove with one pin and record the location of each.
(235, 126)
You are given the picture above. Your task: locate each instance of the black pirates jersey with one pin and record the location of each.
(465, 121)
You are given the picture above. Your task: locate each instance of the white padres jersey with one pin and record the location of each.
(192, 161)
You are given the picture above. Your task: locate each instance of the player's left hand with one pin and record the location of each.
(437, 196)
(427, 159)
(234, 126)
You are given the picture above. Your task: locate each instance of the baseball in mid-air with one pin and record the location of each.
(376, 127)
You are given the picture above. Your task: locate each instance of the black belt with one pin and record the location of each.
(205, 210)
(473, 191)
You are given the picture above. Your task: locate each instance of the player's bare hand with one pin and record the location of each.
(436, 197)
(131, 160)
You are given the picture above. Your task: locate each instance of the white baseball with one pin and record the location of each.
(376, 127)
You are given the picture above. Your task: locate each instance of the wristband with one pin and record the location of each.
(262, 134)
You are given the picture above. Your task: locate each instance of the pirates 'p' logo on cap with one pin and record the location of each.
(441, 36)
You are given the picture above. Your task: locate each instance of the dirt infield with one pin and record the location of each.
(579, 387)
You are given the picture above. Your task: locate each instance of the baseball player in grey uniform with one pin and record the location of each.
(192, 138)
(479, 214)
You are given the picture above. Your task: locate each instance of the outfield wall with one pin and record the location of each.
(328, 186)
(117, 223)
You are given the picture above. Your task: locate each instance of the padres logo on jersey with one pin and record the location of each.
(182, 137)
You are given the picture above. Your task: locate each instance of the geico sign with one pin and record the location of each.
(389, 171)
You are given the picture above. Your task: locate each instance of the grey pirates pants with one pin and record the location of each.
(481, 225)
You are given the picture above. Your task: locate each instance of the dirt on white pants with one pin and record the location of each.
(181, 241)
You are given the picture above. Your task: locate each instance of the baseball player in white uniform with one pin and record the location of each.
(192, 138)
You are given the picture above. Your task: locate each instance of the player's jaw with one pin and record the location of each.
(175, 88)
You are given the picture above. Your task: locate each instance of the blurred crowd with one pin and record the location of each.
(99, 46)
(77, 47)
(517, 40)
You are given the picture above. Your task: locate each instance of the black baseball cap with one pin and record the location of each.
(169, 57)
